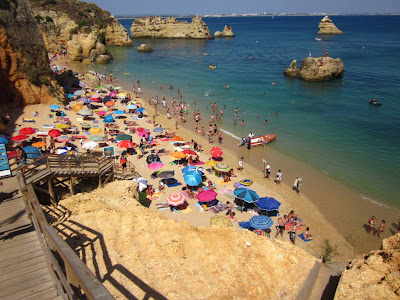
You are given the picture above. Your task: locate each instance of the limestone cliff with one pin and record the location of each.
(25, 75)
(227, 32)
(317, 69)
(373, 276)
(157, 27)
(83, 29)
(326, 26)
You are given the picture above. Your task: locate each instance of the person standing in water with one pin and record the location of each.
(381, 228)
(371, 224)
(268, 171)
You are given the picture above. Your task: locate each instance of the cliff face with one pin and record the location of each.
(316, 69)
(373, 276)
(25, 75)
(326, 26)
(157, 27)
(83, 29)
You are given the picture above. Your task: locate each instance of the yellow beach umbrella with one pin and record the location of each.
(62, 126)
(95, 130)
(77, 107)
(210, 163)
(178, 154)
(122, 95)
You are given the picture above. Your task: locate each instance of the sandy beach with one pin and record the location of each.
(331, 210)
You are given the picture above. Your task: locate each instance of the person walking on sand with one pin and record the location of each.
(292, 232)
(371, 224)
(280, 228)
(278, 177)
(296, 184)
(381, 229)
(240, 164)
(268, 171)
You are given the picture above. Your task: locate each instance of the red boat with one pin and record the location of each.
(259, 140)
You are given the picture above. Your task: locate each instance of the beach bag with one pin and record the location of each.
(123, 161)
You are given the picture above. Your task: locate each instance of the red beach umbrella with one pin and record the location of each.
(54, 133)
(190, 152)
(27, 131)
(176, 199)
(126, 144)
(20, 137)
(216, 152)
(12, 154)
(139, 129)
(207, 195)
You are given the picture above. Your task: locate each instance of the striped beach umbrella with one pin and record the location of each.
(220, 222)
(261, 222)
(246, 195)
(96, 138)
(176, 199)
(222, 167)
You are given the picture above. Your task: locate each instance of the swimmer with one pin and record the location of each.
(231, 98)
(242, 123)
(265, 94)
(234, 122)
(226, 86)
(274, 83)
(292, 102)
(244, 113)
(258, 116)
(265, 121)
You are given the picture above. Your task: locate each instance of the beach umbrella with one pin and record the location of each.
(109, 85)
(139, 129)
(100, 87)
(268, 204)
(77, 107)
(177, 138)
(69, 96)
(152, 158)
(54, 133)
(155, 165)
(82, 84)
(178, 154)
(109, 103)
(61, 151)
(12, 154)
(27, 131)
(143, 133)
(163, 174)
(96, 138)
(142, 183)
(210, 163)
(122, 95)
(78, 93)
(90, 145)
(95, 96)
(193, 168)
(176, 199)
(54, 106)
(206, 195)
(3, 140)
(109, 119)
(261, 222)
(220, 222)
(192, 178)
(123, 137)
(84, 112)
(118, 88)
(118, 112)
(139, 110)
(32, 152)
(62, 126)
(62, 114)
(132, 106)
(158, 129)
(126, 144)
(113, 94)
(101, 113)
(39, 144)
(190, 152)
(222, 167)
(246, 182)
(95, 130)
(216, 152)
(20, 137)
(246, 195)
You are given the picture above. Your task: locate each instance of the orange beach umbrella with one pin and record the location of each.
(178, 154)
(177, 139)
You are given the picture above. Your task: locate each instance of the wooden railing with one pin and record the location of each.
(75, 278)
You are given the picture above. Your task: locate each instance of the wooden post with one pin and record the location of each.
(51, 190)
(98, 170)
(264, 170)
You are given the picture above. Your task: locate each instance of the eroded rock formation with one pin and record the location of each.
(25, 75)
(316, 69)
(144, 48)
(157, 27)
(83, 29)
(373, 276)
(227, 32)
(326, 26)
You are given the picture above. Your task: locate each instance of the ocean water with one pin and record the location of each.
(330, 126)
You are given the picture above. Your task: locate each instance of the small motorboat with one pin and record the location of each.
(212, 67)
(259, 140)
(318, 39)
(374, 102)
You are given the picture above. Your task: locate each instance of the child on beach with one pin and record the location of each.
(278, 177)
(240, 164)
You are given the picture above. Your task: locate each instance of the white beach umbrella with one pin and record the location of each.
(142, 183)
(90, 145)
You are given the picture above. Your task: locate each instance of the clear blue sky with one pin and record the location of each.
(180, 7)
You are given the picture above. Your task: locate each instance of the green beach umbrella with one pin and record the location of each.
(97, 138)
(124, 137)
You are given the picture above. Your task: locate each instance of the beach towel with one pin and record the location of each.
(223, 182)
(166, 140)
(198, 163)
(49, 126)
(226, 190)
(214, 209)
(29, 120)
(239, 185)
(96, 122)
(162, 206)
(156, 196)
(79, 119)
(42, 133)
(244, 225)
(302, 237)
(222, 206)
(174, 184)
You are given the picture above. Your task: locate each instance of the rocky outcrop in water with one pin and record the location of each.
(373, 276)
(157, 27)
(83, 29)
(316, 69)
(227, 32)
(326, 26)
(25, 75)
(144, 48)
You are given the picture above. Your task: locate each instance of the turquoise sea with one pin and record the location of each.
(330, 126)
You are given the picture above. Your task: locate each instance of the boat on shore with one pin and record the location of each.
(318, 39)
(259, 140)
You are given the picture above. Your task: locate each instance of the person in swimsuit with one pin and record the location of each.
(292, 232)
(280, 228)
(371, 224)
(381, 228)
(307, 235)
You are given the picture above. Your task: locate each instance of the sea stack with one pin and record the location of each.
(144, 48)
(316, 69)
(227, 32)
(326, 26)
(157, 27)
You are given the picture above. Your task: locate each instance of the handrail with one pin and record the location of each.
(76, 272)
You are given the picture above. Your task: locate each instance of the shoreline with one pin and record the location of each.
(320, 195)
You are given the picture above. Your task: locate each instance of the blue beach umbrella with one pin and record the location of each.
(140, 110)
(118, 112)
(246, 195)
(54, 106)
(158, 129)
(261, 222)
(268, 203)
(109, 119)
(32, 152)
(192, 178)
(63, 114)
(3, 140)
(193, 168)
(132, 106)
(70, 96)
